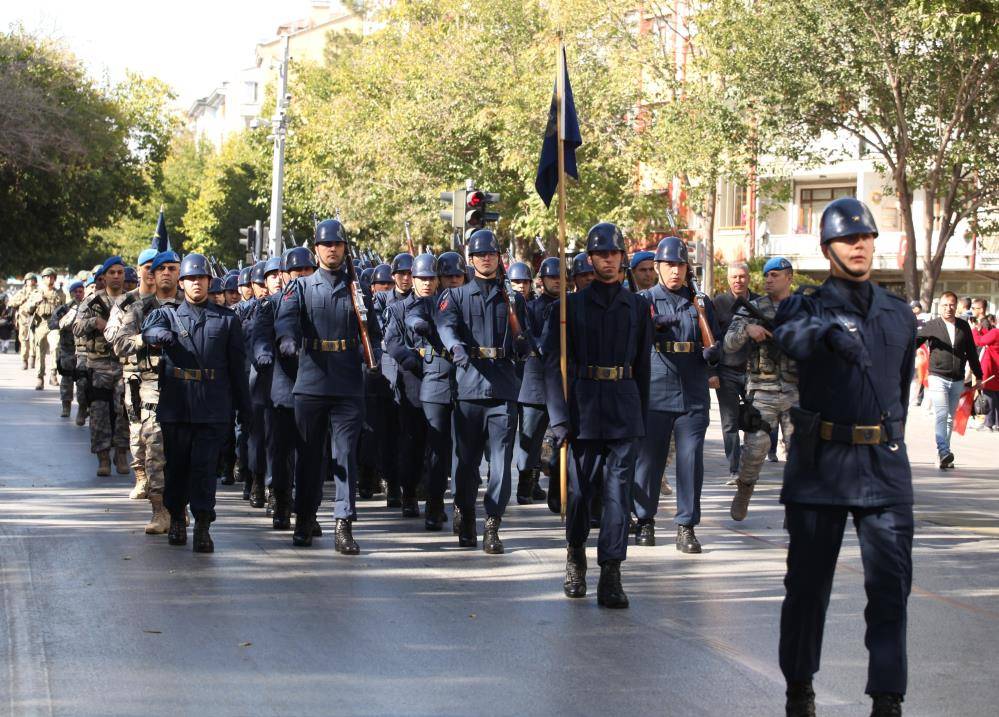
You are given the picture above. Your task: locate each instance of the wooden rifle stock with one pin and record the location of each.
(360, 309)
(707, 336)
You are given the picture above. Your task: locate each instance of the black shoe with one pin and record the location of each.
(228, 474)
(317, 530)
(574, 585)
(257, 498)
(686, 541)
(554, 494)
(537, 492)
(366, 485)
(800, 700)
(491, 542)
(467, 537)
(202, 538)
(269, 501)
(393, 498)
(435, 515)
(302, 537)
(645, 535)
(247, 487)
(886, 705)
(456, 522)
(281, 519)
(525, 487)
(609, 591)
(410, 508)
(177, 535)
(946, 461)
(345, 543)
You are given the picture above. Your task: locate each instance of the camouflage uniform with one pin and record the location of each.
(772, 387)
(108, 424)
(66, 361)
(19, 301)
(43, 304)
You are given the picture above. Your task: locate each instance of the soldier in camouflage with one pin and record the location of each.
(148, 458)
(773, 377)
(42, 304)
(108, 424)
(62, 321)
(19, 301)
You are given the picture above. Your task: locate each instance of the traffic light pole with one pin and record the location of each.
(279, 129)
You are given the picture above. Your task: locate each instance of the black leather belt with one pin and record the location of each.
(675, 347)
(607, 373)
(861, 435)
(486, 352)
(330, 345)
(194, 374)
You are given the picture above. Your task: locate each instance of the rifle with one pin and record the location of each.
(360, 308)
(541, 247)
(707, 337)
(753, 312)
(409, 240)
(501, 284)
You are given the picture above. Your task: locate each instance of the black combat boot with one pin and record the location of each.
(456, 522)
(393, 497)
(645, 533)
(686, 541)
(247, 478)
(345, 542)
(800, 699)
(257, 499)
(410, 506)
(537, 492)
(281, 518)
(609, 591)
(228, 472)
(491, 542)
(367, 483)
(202, 538)
(177, 535)
(302, 537)
(317, 530)
(525, 487)
(886, 705)
(575, 572)
(435, 515)
(269, 501)
(467, 536)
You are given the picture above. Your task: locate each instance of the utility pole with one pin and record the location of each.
(278, 132)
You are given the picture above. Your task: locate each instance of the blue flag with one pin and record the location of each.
(546, 181)
(161, 240)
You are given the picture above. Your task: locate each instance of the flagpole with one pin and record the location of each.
(563, 359)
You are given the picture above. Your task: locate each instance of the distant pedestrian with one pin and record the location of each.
(986, 336)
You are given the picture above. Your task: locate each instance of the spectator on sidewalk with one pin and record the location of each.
(979, 309)
(952, 348)
(964, 311)
(986, 336)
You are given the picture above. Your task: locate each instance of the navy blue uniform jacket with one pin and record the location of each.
(438, 385)
(284, 369)
(532, 386)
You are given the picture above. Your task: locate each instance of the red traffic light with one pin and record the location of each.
(475, 199)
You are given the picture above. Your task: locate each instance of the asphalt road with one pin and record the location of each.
(101, 619)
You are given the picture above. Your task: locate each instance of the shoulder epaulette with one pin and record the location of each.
(808, 290)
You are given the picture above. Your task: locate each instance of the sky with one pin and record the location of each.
(193, 45)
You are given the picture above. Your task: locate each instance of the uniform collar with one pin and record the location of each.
(597, 297)
(832, 297)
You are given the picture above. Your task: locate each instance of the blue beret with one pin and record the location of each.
(111, 261)
(641, 256)
(165, 257)
(90, 280)
(778, 263)
(146, 255)
(76, 285)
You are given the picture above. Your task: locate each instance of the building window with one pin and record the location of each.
(734, 209)
(813, 201)
(250, 92)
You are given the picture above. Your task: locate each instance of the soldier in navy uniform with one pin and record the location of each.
(201, 385)
(848, 459)
(281, 429)
(317, 322)
(608, 335)
(531, 400)
(404, 346)
(582, 271)
(682, 371)
(474, 324)
(260, 387)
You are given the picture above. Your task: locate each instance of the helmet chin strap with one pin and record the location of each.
(839, 262)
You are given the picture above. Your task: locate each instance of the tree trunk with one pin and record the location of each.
(910, 271)
(708, 285)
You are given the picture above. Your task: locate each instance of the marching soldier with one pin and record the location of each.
(19, 301)
(318, 322)
(681, 376)
(531, 400)
(582, 271)
(242, 471)
(521, 279)
(62, 321)
(202, 386)
(848, 459)
(108, 423)
(772, 388)
(608, 338)
(230, 287)
(131, 279)
(378, 443)
(475, 325)
(42, 304)
(146, 438)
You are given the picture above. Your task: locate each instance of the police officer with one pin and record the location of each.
(475, 326)
(318, 321)
(582, 271)
(772, 388)
(848, 458)
(66, 351)
(404, 347)
(202, 384)
(679, 399)
(531, 401)
(282, 432)
(608, 336)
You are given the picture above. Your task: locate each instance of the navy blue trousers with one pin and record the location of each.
(815, 534)
(257, 440)
(478, 424)
(282, 437)
(688, 429)
(341, 417)
(604, 468)
(412, 443)
(439, 448)
(530, 435)
(192, 454)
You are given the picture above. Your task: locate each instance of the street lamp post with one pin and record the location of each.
(279, 130)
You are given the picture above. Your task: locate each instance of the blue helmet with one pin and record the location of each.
(483, 241)
(257, 273)
(519, 271)
(366, 275)
(146, 256)
(75, 285)
(777, 263)
(215, 286)
(165, 257)
(232, 272)
(299, 257)
(273, 264)
(230, 282)
(451, 263)
(845, 217)
(581, 264)
(672, 249)
(194, 265)
(550, 268)
(330, 231)
(382, 275)
(424, 266)
(244, 276)
(641, 256)
(402, 262)
(604, 237)
(131, 275)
